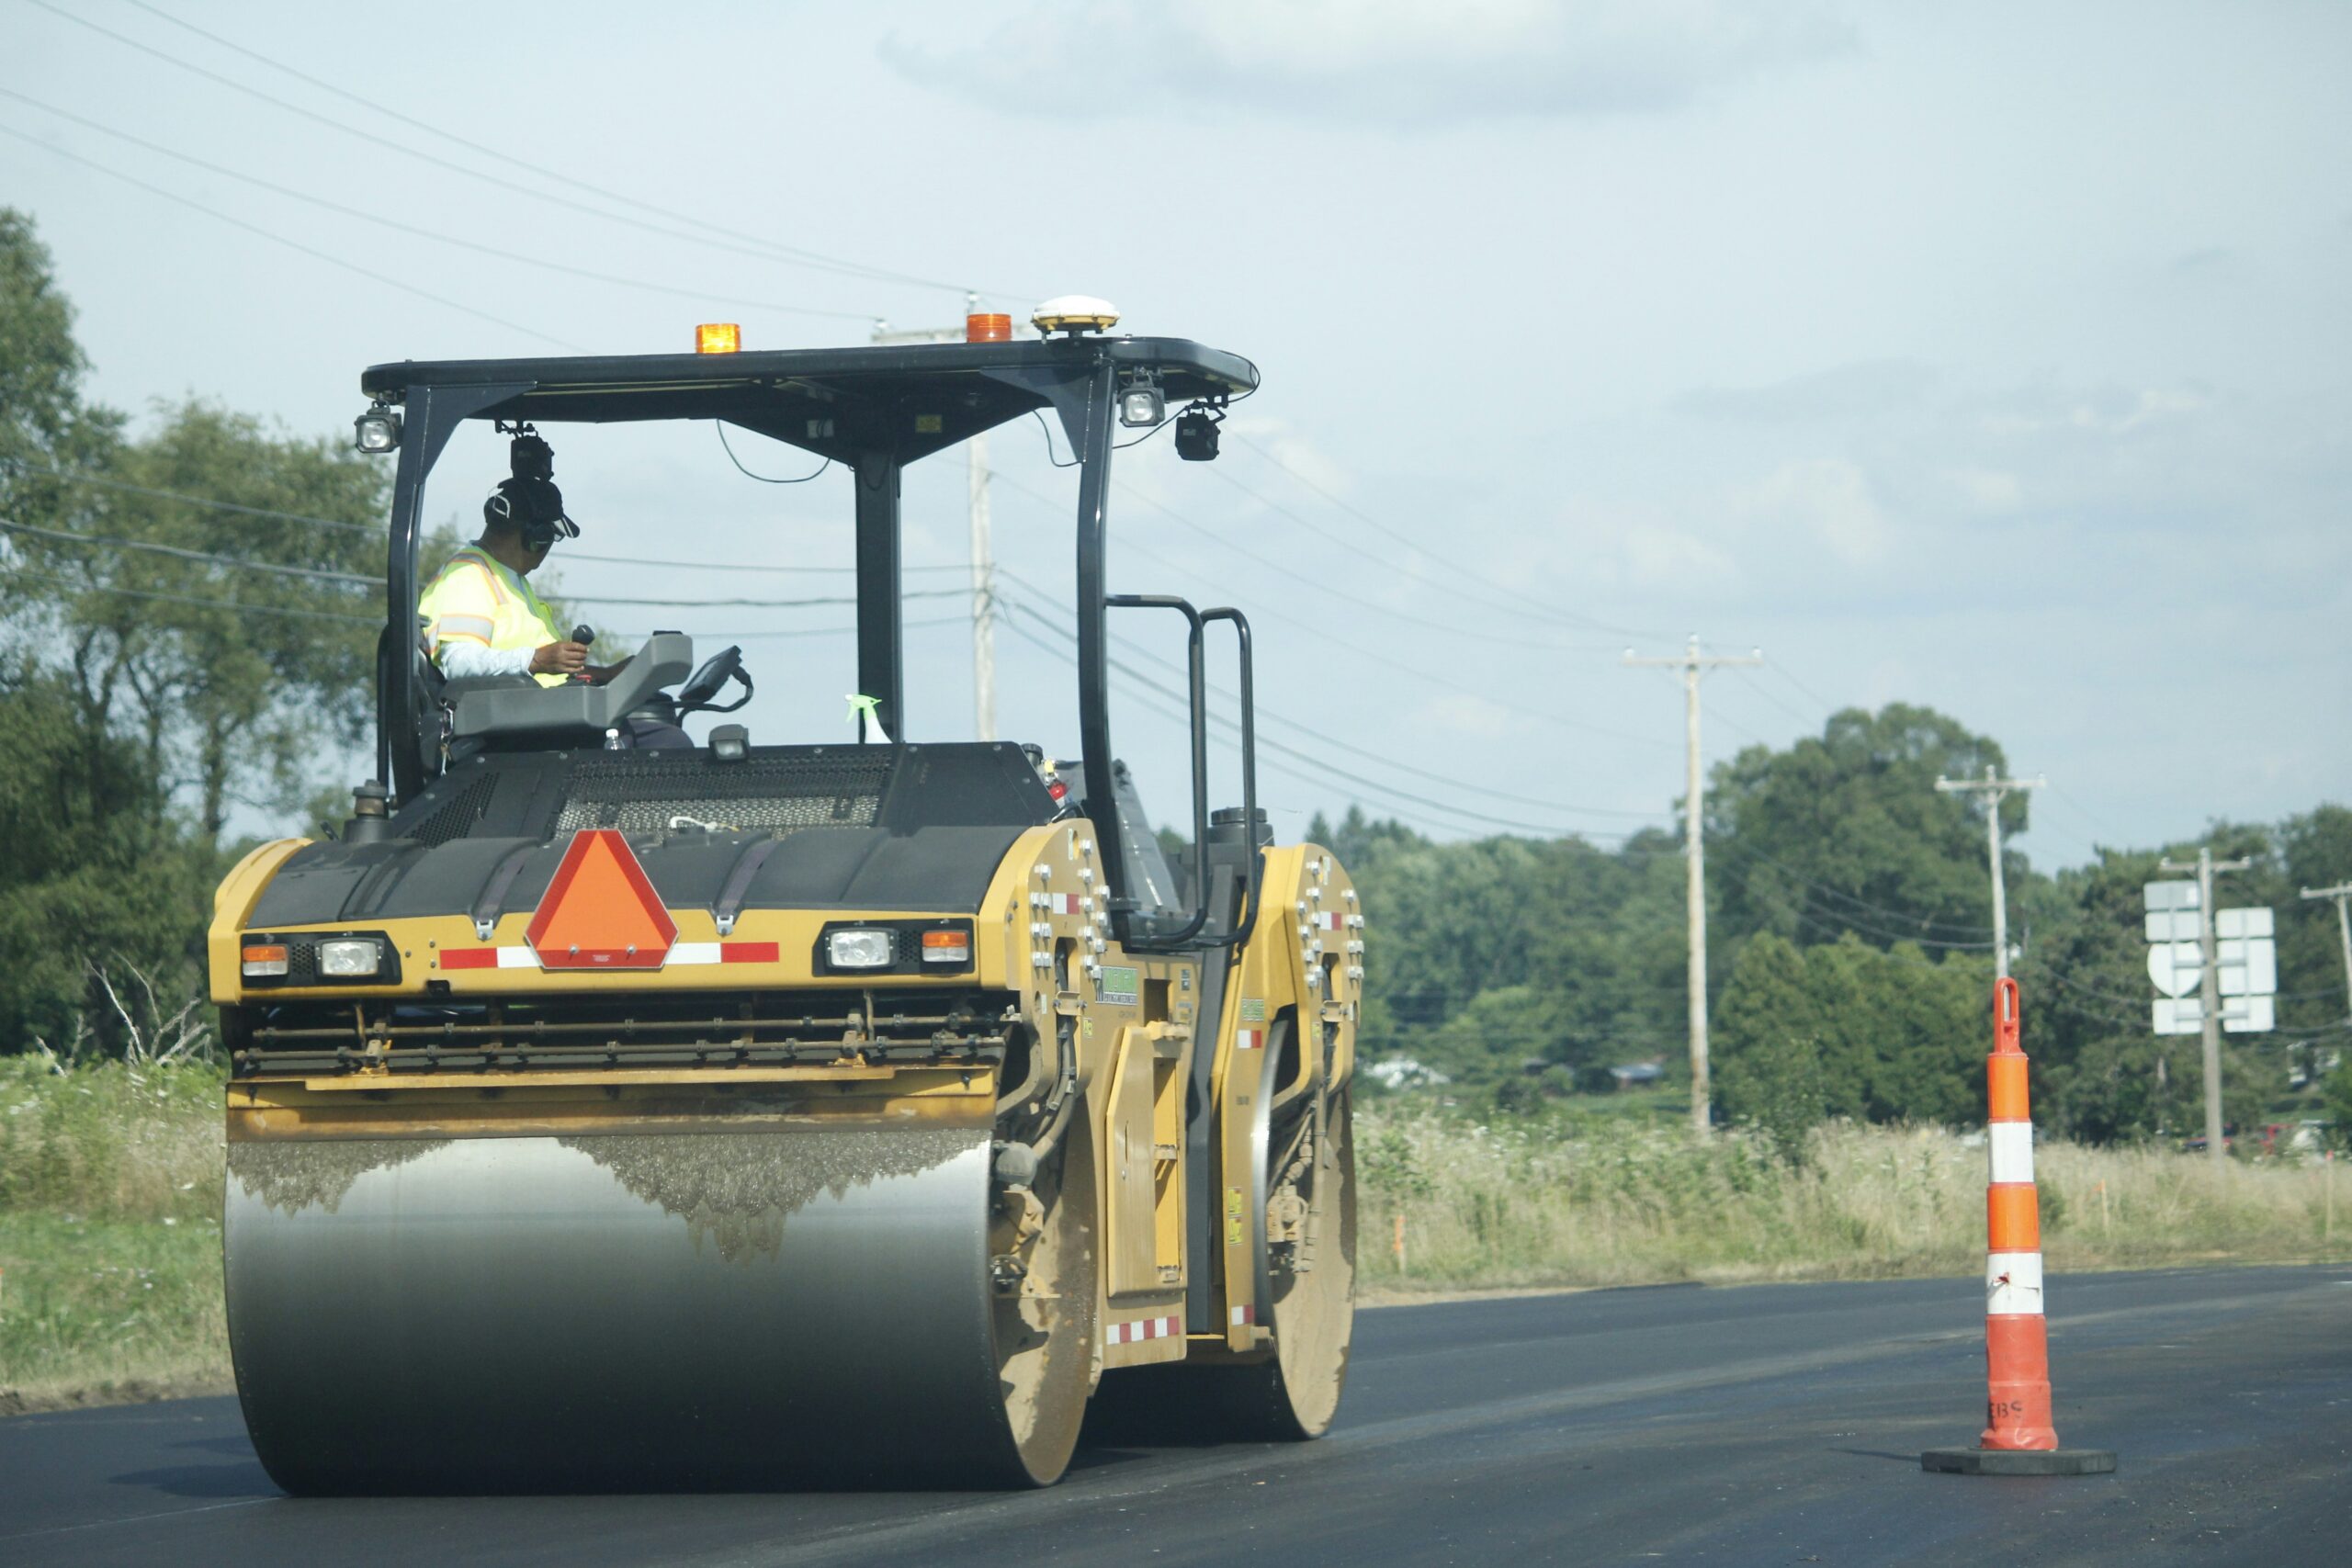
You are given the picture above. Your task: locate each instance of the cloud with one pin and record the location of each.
(1469, 714)
(1827, 498)
(1387, 61)
(1864, 389)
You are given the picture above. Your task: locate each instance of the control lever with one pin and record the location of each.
(586, 636)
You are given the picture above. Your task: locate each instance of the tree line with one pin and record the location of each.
(1849, 955)
(160, 698)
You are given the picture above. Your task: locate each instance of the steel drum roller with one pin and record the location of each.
(707, 1309)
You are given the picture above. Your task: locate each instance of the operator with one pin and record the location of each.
(480, 616)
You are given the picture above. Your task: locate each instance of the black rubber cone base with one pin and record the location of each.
(2019, 1461)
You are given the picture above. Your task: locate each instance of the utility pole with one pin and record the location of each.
(1994, 790)
(2341, 893)
(976, 453)
(1694, 853)
(2208, 988)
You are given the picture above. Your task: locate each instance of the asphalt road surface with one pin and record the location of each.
(1764, 1425)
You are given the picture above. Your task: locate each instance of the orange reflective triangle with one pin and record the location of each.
(600, 912)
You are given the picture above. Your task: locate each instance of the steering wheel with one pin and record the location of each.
(698, 694)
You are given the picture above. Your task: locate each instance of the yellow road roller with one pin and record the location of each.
(615, 1113)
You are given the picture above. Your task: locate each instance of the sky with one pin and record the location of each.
(1992, 358)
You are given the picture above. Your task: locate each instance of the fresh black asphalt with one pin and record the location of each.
(1762, 1425)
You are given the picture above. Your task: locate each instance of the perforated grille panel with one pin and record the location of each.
(458, 818)
(643, 793)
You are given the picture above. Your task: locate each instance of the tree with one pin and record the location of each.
(94, 875)
(159, 666)
(1769, 1046)
(1849, 833)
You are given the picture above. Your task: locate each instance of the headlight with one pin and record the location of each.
(1142, 405)
(350, 958)
(858, 949)
(377, 431)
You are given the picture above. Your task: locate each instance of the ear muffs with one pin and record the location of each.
(532, 507)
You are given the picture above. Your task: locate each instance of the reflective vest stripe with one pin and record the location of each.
(480, 629)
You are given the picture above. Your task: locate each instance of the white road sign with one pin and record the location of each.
(2177, 967)
(2240, 1015)
(2247, 966)
(2157, 895)
(2229, 923)
(2172, 925)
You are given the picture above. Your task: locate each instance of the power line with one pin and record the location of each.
(1768, 695)
(1354, 548)
(373, 277)
(754, 603)
(1357, 649)
(1534, 605)
(1387, 762)
(313, 574)
(72, 477)
(766, 250)
(1524, 645)
(1323, 778)
(202, 602)
(1324, 767)
(1783, 672)
(398, 226)
(828, 631)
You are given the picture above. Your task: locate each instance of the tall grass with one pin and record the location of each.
(110, 1188)
(1554, 1202)
(109, 1229)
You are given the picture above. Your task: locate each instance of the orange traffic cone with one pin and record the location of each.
(2018, 1438)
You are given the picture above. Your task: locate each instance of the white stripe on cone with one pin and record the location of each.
(2012, 1283)
(2012, 1144)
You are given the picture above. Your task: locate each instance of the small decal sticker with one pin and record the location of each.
(1253, 1009)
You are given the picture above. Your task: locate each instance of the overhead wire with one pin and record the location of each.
(308, 573)
(1417, 672)
(757, 604)
(72, 477)
(542, 261)
(201, 601)
(1322, 763)
(1265, 711)
(1171, 713)
(1564, 618)
(1377, 525)
(767, 250)
(316, 255)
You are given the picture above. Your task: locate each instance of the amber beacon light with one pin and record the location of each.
(717, 337)
(987, 326)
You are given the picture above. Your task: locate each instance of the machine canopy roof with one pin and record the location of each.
(902, 400)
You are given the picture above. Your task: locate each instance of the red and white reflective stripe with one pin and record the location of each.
(2011, 1145)
(1063, 903)
(1326, 919)
(1248, 1039)
(520, 956)
(1143, 1328)
(1244, 1315)
(2013, 1283)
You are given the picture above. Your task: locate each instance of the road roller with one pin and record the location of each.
(618, 1107)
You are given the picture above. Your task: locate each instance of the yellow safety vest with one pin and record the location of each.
(477, 600)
